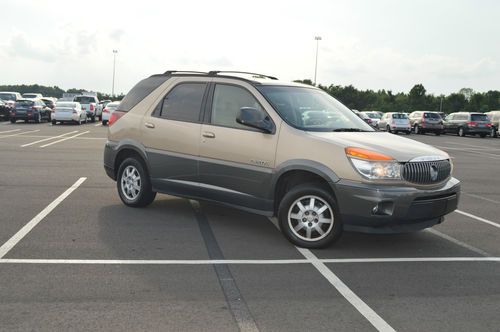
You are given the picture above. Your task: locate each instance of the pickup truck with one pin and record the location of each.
(89, 105)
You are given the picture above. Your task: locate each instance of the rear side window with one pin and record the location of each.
(141, 90)
(478, 117)
(183, 102)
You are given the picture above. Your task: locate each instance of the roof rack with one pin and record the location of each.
(216, 72)
(170, 72)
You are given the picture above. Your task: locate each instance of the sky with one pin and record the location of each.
(372, 44)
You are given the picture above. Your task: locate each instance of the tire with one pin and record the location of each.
(12, 120)
(437, 133)
(461, 132)
(308, 235)
(54, 122)
(482, 135)
(104, 122)
(388, 129)
(416, 129)
(493, 132)
(92, 118)
(140, 196)
(408, 132)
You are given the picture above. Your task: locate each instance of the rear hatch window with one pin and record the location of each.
(84, 100)
(434, 116)
(140, 91)
(399, 116)
(478, 117)
(24, 103)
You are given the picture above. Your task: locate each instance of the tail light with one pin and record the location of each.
(488, 125)
(91, 107)
(115, 116)
(105, 110)
(472, 123)
(74, 111)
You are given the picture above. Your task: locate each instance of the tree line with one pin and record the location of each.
(53, 91)
(417, 98)
(465, 100)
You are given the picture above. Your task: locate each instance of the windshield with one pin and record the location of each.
(399, 116)
(7, 96)
(311, 109)
(478, 117)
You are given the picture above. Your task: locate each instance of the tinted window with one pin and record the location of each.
(84, 100)
(228, 100)
(7, 96)
(183, 102)
(24, 103)
(141, 90)
(399, 116)
(373, 115)
(431, 116)
(478, 117)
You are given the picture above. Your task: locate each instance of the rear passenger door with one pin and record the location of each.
(171, 135)
(236, 161)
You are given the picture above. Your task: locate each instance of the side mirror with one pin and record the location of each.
(252, 117)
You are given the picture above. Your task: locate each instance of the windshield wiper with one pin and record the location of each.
(350, 130)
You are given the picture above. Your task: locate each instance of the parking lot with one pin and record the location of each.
(73, 257)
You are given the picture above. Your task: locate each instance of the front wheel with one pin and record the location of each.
(416, 129)
(461, 132)
(92, 119)
(482, 135)
(133, 184)
(12, 120)
(388, 129)
(104, 122)
(308, 216)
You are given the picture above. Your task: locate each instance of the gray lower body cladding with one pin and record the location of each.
(375, 209)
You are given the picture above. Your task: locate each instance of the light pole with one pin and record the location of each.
(441, 104)
(114, 67)
(317, 38)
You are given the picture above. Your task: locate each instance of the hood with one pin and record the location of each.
(400, 148)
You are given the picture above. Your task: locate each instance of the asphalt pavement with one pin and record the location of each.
(73, 257)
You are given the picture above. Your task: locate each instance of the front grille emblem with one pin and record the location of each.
(434, 172)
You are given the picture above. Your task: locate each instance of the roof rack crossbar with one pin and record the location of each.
(170, 72)
(215, 72)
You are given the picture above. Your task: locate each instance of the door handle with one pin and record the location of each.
(149, 125)
(208, 134)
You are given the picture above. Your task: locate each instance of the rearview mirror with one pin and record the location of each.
(252, 117)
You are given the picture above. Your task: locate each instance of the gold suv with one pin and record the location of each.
(277, 149)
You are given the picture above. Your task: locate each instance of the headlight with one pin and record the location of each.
(373, 165)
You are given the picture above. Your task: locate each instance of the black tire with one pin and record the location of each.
(461, 132)
(54, 122)
(493, 132)
(482, 135)
(416, 129)
(388, 129)
(408, 132)
(288, 204)
(104, 122)
(12, 120)
(38, 119)
(145, 195)
(438, 133)
(92, 118)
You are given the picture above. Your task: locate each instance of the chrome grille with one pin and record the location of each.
(426, 172)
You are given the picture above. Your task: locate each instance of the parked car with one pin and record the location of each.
(102, 105)
(394, 123)
(464, 123)
(69, 111)
(242, 142)
(50, 102)
(30, 110)
(424, 122)
(494, 117)
(108, 111)
(374, 116)
(10, 98)
(31, 95)
(4, 111)
(363, 117)
(89, 105)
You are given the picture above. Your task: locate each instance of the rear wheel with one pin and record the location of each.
(437, 133)
(92, 118)
(133, 184)
(416, 129)
(482, 135)
(308, 216)
(461, 132)
(408, 132)
(104, 122)
(493, 132)
(54, 122)
(388, 128)
(38, 119)
(12, 120)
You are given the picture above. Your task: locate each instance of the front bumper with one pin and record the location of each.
(373, 208)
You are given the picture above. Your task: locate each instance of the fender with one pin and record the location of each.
(305, 165)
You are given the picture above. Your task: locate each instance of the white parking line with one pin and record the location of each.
(24, 132)
(378, 322)
(9, 131)
(64, 139)
(481, 197)
(49, 138)
(7, 246)
(98, 124)
(243, 261)
(489, 155)
(489, 222)
(458, 242)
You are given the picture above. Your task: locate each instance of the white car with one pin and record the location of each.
(69, 111)
(32, 95)
(108, 110)
(90, 104)
(374, 116)
(394, 123)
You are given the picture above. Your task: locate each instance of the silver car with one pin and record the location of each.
(394, 123)
(69, 111)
